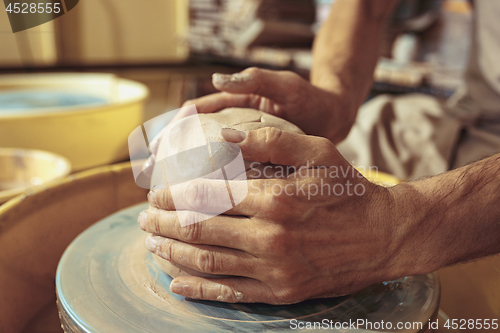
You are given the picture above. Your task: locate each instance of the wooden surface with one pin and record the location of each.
(472, 290)
(37, 227)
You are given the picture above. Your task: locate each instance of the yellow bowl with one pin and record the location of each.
(379, 178)
(88, 135)
(23, 169)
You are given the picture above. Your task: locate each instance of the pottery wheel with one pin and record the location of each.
(107, 281)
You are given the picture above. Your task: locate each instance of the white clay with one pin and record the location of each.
(185, 134)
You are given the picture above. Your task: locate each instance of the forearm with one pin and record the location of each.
(450, 218)
(346, 48)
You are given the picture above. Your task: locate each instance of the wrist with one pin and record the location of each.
(449, 218)
(342, 115)
(418, 230)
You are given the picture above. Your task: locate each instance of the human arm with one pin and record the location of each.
(345, 54)
(346, 50)
(450, 218)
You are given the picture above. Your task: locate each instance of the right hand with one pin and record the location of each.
(286, 95)
(323, 231)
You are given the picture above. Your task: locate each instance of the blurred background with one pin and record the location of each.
(77, 86)
(174, 46)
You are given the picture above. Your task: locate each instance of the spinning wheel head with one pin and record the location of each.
(108, 282)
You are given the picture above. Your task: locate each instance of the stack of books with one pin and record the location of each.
(232, 28)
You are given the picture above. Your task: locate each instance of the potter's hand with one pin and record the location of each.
(284, 94)
(287, 240)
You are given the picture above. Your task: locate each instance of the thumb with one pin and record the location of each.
(278, 86)
(272, 145)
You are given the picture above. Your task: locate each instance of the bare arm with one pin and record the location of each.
(455, 215)
(345, 54)
(346, 49)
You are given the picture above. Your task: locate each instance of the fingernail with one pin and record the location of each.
(224, 79)
(152, 199)
(240, 77)
(232, 135)
(143, 219)
(177, 288)
(220, 79)
(151, 243)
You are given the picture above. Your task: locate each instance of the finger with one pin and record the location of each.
(238, 230)
(211, 196)
(218, 101)
(278, 86)
(231, 290)
(203, 258)
(272, 145)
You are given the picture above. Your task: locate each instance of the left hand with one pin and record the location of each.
(288, 240)
(327, 113)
